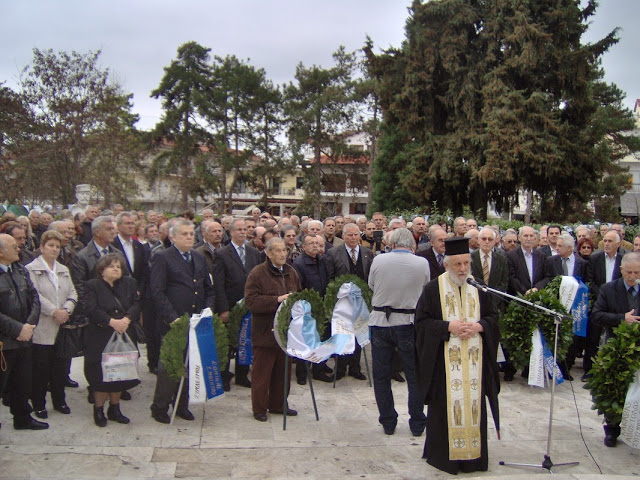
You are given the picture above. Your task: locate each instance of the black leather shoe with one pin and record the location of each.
(161, 417)
(185, 414)
(64, 409)
(114, 413)
(323, 377)
(398, 378)
(98, 417)
(90, 398)
(290, 412)
(153, 370)
(610, 440)
(327, 369)
(30, 424)
(226, 385)
(358, 375)
(301, 381)
(261, 417)
(417, 433)
(70, 383)
(125, 395)
(41, 413)
(243, 382)
(585, 377)
(389, 430)
(508, 377)
(568, 377)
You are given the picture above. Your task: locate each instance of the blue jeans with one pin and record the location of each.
(384, 340)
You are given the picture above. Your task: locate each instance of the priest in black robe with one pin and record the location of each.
(432, 333)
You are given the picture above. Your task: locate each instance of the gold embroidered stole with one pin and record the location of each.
(463, 364)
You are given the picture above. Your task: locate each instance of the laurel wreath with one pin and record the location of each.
(519, 322)
(613, 371)
(236, 314)
(283, 318)
(174, 344)
(331, 295)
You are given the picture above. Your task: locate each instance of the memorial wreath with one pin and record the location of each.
(283, 318)
(331, 296)
(174, 344)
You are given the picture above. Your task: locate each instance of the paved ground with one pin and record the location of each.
(347, 443)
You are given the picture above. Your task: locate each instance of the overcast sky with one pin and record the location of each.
(139, 38)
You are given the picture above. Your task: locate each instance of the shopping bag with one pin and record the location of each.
(630, 425)
(120, 359)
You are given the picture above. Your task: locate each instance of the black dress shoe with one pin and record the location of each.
(417, 433)
(327, 369)
(30, 424)
(226, 385)
(98, 416)
(323, 377)
(301, 381)
(610, 440)
(161, 417)
(290, 412)
(185, 414)
(398, 378)
(261, 417)
(90, 397)
(389, 430)
(64, 408)
(508, 377)
(585, 377)
(125, 395)
(41, 413)
(568, 377)
(70, 383)
(114, 413)
(153, 370)
(243, 382)
(358, 375)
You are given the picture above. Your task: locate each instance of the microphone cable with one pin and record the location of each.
(580, 427)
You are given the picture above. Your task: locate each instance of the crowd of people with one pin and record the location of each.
(105, 271)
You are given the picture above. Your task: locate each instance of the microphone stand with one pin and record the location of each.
(546, 464)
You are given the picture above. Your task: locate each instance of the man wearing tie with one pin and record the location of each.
(618, 301)
(604, 267)
(350, 258)
(435, 253)
(489, 267)
(180, 283)
(231, 267)
(526, 274)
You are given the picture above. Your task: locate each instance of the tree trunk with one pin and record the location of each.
(527, 213)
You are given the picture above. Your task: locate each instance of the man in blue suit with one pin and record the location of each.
(180, 283)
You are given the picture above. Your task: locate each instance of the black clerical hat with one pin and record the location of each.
(456, 246)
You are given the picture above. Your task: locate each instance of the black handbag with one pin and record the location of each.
(70, 341)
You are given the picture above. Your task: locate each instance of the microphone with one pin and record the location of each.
(477, 285)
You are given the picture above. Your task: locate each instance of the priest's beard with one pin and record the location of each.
(456, 279)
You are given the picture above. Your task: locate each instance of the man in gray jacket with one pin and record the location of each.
(397, 279)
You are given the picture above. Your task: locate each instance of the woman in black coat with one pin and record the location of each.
(112, 302)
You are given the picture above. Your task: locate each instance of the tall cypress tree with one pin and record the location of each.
(496, 96)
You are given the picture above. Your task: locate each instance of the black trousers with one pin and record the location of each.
(151, 331)
(17, 381)
(47, 369)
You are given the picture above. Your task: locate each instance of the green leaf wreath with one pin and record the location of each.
(236, 314)
(317, 311)
(175, 342)
(519, 322)
(331, 295)
(614, 369)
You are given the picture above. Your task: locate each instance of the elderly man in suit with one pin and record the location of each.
(618, 301)
(212, 235)
(566, 263)
(136, 258)
(350, 258)
(526, 274)
(435, 253)
(180, 283)
(231, 267)
(488, 267)
(603, 267)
